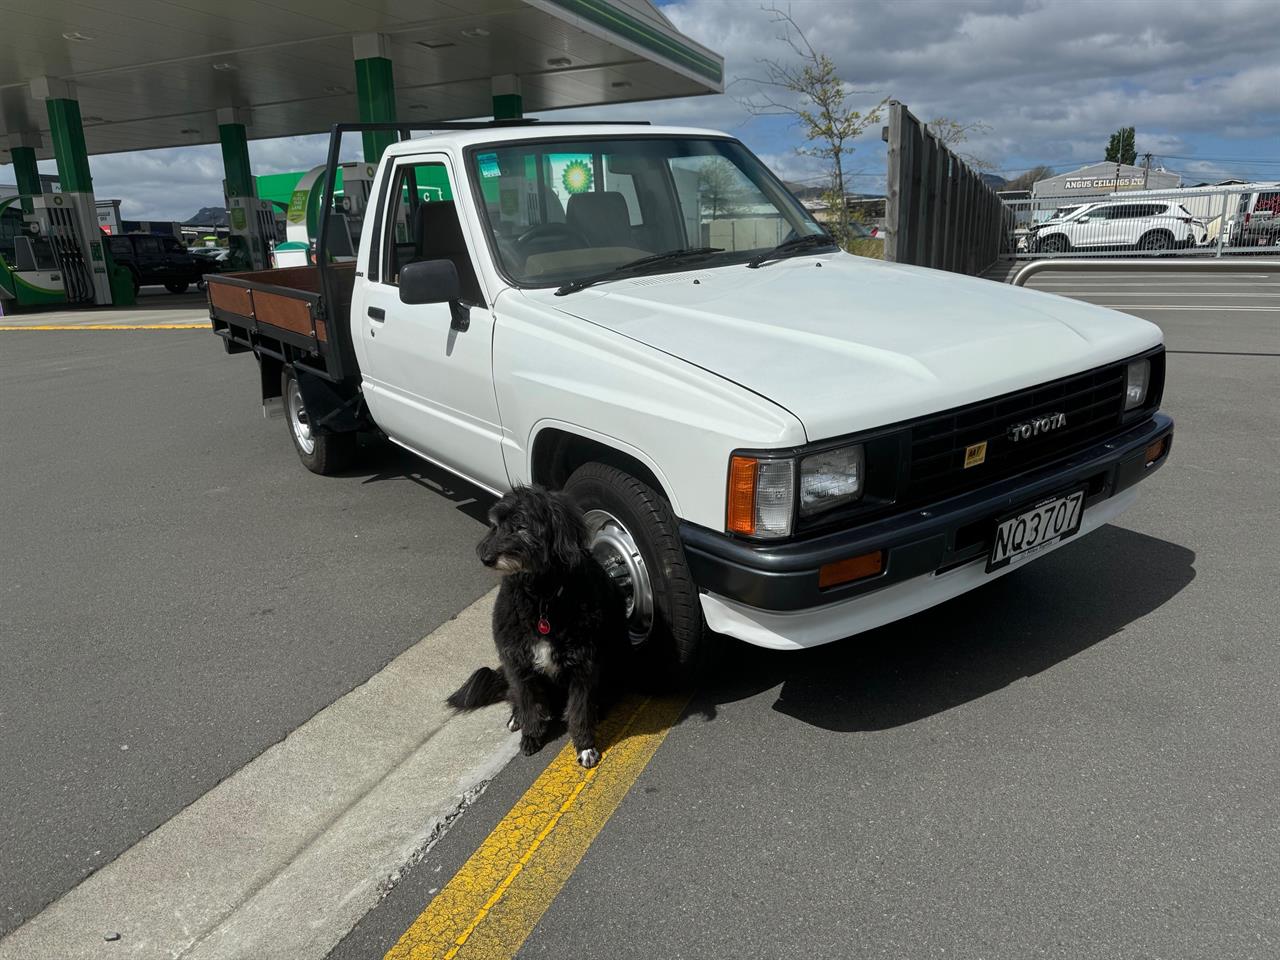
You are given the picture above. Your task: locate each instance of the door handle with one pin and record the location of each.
(377, 313)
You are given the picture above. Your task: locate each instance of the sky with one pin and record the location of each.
(1047, 80)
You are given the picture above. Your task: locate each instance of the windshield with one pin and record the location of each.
(561, 211)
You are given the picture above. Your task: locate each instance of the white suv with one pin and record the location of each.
(1152, 225)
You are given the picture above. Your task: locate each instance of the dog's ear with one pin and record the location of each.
(568, 530)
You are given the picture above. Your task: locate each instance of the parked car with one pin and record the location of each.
(157, 260)
(769, 438)
(212, 260)
(1152, 225)
(1257, 220)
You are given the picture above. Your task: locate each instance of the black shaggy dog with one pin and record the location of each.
(559, 623)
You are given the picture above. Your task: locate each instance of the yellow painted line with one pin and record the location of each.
(493, 902)
(110, 327)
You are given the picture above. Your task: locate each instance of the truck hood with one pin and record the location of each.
(847, 343)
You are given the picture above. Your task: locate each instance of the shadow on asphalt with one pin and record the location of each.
(1012, 628)
(380, 461)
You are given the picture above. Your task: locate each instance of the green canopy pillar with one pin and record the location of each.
(25, 170)
(375, 91)
(508, 103)
(238, 176)
(22, 150)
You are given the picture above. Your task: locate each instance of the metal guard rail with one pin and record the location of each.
(1196, 265)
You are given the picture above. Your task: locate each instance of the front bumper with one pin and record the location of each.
(778, 582)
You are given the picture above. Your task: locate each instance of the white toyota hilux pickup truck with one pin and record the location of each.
(770, 438)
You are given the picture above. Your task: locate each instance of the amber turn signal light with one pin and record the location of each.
(741, 514)
(1157, 450)
(846, 571)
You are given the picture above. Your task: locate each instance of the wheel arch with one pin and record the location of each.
(558, 449)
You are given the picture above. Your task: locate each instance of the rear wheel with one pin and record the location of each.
(177, 287)
(1156, 240)
(320, 452)
(635, 537)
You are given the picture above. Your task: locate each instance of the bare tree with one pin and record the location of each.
(1025, 180)
(952, 133)
(811, 93)
(719, 188)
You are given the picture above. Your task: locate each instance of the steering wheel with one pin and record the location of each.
(549, 231)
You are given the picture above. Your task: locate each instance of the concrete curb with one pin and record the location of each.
(282, 858)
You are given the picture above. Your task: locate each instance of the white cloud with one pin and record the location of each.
(1051, 78)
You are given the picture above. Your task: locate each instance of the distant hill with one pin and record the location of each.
(207, 217)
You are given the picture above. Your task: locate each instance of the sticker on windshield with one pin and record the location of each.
(489, 165)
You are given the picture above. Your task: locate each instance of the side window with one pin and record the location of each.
(148, 246)
(423, 224)
(407, 224)
(1099, 213)
(173, 246)
(121, 249)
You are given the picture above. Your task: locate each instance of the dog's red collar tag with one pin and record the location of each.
(544, 626)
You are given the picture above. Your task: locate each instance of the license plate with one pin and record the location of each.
(1032, 531)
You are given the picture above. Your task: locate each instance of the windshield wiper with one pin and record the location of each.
(631, 266)
(788, 247)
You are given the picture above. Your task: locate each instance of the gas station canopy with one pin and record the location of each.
(155, 73)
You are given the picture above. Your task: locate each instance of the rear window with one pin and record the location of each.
(1268, 201)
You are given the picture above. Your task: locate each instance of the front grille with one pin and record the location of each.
(1092, 402)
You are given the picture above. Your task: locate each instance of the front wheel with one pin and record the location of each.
(320, 452)
(1055, 243)
(177, 287)
(635, 537)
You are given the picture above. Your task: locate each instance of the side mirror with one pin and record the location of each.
(429, 281)
(1084, 220)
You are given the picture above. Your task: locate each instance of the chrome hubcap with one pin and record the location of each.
(299, 422)
(615, 549)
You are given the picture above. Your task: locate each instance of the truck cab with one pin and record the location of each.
(769, 438)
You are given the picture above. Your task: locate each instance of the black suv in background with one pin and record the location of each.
(157, 260)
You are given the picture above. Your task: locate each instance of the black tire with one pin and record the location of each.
(1054, 243)
(1156, 240)
(137, 282)
(177, 287)
(329, 453)
(677, 647)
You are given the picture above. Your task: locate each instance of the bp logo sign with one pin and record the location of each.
(576, 177)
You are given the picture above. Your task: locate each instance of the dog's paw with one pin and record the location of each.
(512, 723)
(589, 758)
(530, 745)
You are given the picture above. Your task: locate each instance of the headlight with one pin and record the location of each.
(762, 491)
(1137, 379)
(830, 478)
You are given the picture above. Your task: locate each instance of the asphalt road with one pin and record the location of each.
(1077, 760)
(1230, 313)
(176, 592)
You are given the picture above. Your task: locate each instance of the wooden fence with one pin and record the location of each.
(939, 212)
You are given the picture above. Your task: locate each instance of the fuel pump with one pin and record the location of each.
(253, 232)
(69, 223)
(29, 272)
(346, 221)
